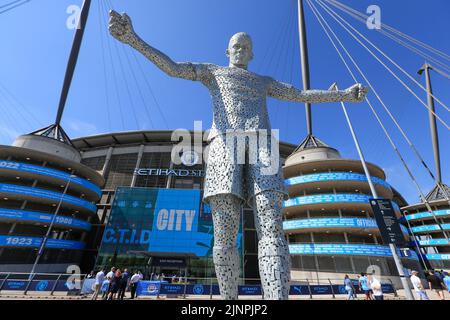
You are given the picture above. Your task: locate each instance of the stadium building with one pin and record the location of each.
(431, 228)
(42, 182)
(328, 219)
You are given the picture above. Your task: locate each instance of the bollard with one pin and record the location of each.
(56, 283)
(332, 290)
(309, 289)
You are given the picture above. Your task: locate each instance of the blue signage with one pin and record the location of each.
(331, 198)
(164, 221)
(434, 242)
(330, 223)
(334, 176)
(33, 242)
(254, 290)
(29, 216)
(15, 285)
(431, 227)
(437, 256)
(171, 289)
(149, 288)
(423, 215)
(344, 249)
(345, 223)
(29, 168)
(46, 194)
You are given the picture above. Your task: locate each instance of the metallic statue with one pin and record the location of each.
(239, 104)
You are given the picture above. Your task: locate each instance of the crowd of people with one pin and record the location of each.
(370, 286)
(114, 284)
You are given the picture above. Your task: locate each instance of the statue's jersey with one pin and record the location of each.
(239, 98)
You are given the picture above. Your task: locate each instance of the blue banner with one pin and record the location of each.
(434, 242)
(423, 215)
(15, 285)
(161, 221)
(34, 242)
(330, 223)
(334, 176)
(46, 194)
(56, 174)
(254, 290)
(22, 215)
(431, 227)
(149, 288)
(437, 256)
(172, 289)
(331, 198)
(345, 223)
(345, 249)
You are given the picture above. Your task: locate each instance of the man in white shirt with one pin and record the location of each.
(418, 287)
(134, 283)
(109, 277)
(375, 285)
(99, 278)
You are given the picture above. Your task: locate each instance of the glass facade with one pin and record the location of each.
(160, 231)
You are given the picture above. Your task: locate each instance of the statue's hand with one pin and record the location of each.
(121, 27)
(357, 93)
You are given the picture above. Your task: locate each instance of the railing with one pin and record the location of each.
(76, 284)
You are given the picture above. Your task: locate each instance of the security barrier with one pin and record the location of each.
(76, 284)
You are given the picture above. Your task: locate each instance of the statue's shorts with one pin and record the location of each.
(244, 165)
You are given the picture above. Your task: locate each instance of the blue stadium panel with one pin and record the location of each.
(334, 176)
(45, 194)
(344, 223)
(52, 173)
(331, 198)
(30, 216)
(34, 242)
(422, 215)
(345, 249)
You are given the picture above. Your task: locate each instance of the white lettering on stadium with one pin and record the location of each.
(171, 220)
(169, 172)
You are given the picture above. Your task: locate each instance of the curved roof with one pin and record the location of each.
(157, 137)
(80, 169)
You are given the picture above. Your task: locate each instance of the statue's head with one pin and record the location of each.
(240, 50)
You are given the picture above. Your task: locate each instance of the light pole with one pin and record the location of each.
(50, 227)
(392, 247)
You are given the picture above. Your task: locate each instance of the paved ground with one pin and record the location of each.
(401, 296)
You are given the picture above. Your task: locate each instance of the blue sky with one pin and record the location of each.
(114, 91)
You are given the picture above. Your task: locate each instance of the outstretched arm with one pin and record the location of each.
(284, 91)
(121, 28)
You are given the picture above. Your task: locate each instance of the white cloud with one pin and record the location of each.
(8, 134)
(83, 128)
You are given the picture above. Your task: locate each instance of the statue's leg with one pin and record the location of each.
(226, 210)
(273, 251)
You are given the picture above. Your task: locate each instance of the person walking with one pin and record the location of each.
(349, 288)
(99, 278)
(447, 282)
(375, 285)
(364, 286)
(418, 287)
(114, 287)
(134, 282)
(123, 284)
(109, 278)
(436, 284)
